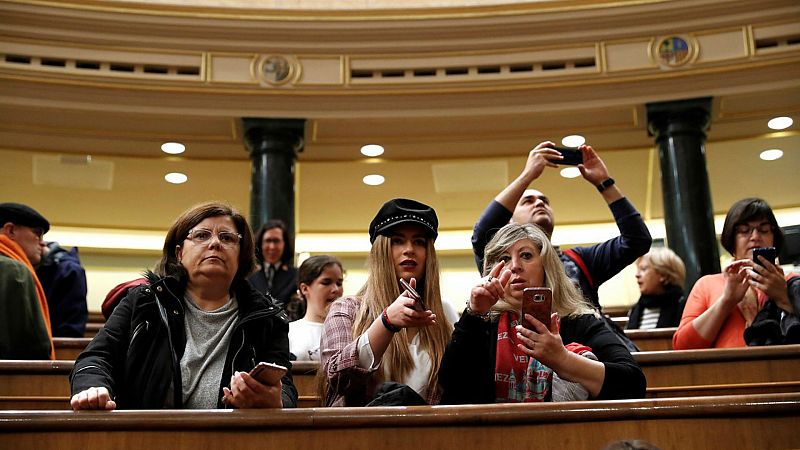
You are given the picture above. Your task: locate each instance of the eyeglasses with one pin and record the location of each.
(202, 235)
(746, 230)
(273, 241)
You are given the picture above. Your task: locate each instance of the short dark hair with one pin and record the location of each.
(288, 245)
(312, 268)
(747, 210)
(169, 265)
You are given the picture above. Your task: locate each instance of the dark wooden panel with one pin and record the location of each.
(706, 422)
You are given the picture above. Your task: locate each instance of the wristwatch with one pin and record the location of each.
(605, 184)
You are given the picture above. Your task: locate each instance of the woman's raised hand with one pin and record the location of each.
(771, 280)
(490, 290)
(540, 342)
(402, 314)
(736, 281)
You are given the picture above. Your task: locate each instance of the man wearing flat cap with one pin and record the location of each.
(24, 316)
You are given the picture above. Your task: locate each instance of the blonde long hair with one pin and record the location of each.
(381, 290)
(567, 300)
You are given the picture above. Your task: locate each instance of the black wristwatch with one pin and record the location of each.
(605, 184)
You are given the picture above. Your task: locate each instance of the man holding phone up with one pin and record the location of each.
(589, 266)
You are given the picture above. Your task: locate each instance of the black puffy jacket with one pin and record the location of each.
(136, 354)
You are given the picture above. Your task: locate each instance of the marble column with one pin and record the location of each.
(273, 145)
(679, 128)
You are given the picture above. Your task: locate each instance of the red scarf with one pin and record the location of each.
(518, 378)
(12, 250)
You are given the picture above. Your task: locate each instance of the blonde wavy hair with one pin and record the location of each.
(667, 264)
(567, 299)
(381, 290)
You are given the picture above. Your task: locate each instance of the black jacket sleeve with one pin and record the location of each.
(494, 217)
(606, 259)
(467, 371)
(103, 360)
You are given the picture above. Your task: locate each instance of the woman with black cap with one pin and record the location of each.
(383, 334)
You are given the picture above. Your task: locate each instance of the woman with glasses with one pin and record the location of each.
(189, 337)
(722, 306)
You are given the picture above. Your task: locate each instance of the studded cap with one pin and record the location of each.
(403, 210)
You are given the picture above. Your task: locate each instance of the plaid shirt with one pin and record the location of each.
(348, 383)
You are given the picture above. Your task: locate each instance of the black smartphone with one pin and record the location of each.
(572, 155)
(419, 305)
(769, 253)
(538, 302)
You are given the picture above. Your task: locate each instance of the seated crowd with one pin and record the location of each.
(189, 334)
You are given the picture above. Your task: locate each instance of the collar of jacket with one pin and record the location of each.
(252, 304)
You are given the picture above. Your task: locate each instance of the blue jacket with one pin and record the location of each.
(64, 282)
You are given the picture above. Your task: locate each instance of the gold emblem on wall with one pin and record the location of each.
(278, 70)
(673, 51)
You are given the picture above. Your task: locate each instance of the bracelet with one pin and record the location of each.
(387, 324)
(605, 184)
(484, 317)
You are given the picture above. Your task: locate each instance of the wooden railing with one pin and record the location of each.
(669, 374)
(742, 422)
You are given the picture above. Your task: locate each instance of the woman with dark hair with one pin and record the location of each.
(190, 335)
(722, 306)
(277, 275)
(319, 283)
(660, 275)
(493, 358)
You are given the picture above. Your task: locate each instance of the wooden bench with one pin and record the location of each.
(69, 348)
(753, 421)
(653, 339)
(720, 366)
(92, 329)
(677, 369)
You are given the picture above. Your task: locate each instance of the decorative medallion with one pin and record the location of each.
(674, 51)
(277, 69)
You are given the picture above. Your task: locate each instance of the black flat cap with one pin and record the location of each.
(24, 215)
(403, 210)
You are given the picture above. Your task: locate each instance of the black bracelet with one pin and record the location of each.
(605, 184)
(387, 324)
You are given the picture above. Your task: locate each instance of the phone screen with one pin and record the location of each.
(769, 253)
(538, 303)
(572, 156)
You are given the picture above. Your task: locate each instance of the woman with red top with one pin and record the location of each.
(721, 306)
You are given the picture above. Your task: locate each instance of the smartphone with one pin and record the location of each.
(268, 373)
(769, 253)
(537, 301)
(419, 305)
(572, 156)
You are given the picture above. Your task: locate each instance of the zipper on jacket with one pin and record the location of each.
(176, 380)
(144, 325)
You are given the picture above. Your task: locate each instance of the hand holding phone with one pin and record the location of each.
(537, 302)
(572, 155)
(419, 305)
(268, 373)
(769, 253)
